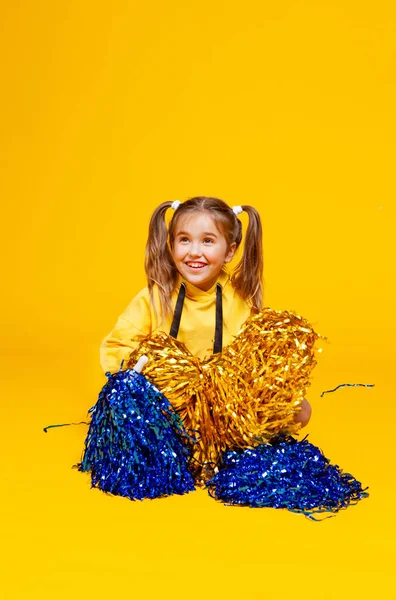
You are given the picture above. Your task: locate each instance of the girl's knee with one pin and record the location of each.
(304, 415)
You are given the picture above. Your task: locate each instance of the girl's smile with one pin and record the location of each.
(195, 265)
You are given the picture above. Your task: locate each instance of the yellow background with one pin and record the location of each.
(108, 109)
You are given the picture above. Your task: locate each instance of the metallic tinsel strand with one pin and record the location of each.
(368, 385)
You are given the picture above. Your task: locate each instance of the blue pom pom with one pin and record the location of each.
(286, 474)
(135, 442)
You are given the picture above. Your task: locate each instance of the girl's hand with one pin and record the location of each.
(304, 415)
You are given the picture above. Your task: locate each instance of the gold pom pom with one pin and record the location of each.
(241, 397)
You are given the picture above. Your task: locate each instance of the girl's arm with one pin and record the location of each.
(132, 326)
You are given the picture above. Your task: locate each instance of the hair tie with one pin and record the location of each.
(175, 205)
(237, 210)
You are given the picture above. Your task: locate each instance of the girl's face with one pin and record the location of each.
(200, 250)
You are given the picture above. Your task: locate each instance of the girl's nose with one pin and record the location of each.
(195, 250)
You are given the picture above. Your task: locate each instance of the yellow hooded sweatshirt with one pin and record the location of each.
(197, 326)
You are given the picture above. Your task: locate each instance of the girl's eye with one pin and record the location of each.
(205, 241)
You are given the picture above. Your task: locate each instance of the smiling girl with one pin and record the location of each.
(229, 371)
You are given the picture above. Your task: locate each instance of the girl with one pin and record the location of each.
(228, 374)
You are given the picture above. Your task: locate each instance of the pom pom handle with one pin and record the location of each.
(143, 360)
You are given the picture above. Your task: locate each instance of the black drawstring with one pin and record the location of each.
(218, 341)
(174, 330)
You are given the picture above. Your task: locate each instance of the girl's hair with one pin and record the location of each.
(247, 277)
